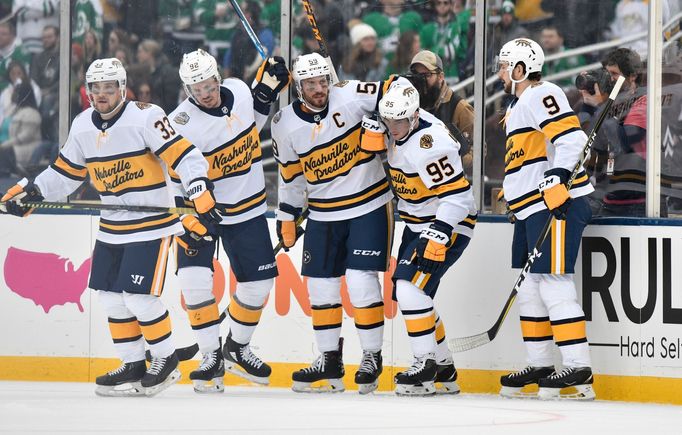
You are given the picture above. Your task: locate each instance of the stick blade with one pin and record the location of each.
(463, 344)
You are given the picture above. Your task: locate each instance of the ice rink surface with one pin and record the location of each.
(36, 407)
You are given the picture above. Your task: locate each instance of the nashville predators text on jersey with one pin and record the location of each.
(542, 133)
(320, 152)
(126, 158)
(228, 138)
(427, 175)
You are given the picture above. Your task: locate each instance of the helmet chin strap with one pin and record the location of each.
(118, 106)
(510, 69)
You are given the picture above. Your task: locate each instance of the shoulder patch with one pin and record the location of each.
(181, 118)
(426, 141)
(341, 84)
(142, 106)
(277, 117)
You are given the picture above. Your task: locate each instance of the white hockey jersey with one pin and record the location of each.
(320, 153)
(126, 158)
(542, 133)
(427, 175)
(228, 138)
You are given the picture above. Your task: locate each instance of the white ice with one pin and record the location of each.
(37, 407)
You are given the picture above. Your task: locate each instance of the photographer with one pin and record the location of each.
(619, 151)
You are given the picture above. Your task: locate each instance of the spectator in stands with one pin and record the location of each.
(447, 37)
(365, 62)
(88, 15)
(152, 67)
(92, 47)
(32, 17)
(507, 29)
(391, 22)
(436, 97)
(552, 42)
(45, 72)
(580, 21)
(10, 50)
(632, 17)
(408, 46)
(219, 23)
(24, 130)
(143, 92)
(118, 38)
(242, 59)
(16, 75)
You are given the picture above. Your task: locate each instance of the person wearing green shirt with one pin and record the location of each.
(391, 22)
(552, 42)
(446, 37)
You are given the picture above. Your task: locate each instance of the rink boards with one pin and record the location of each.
(630, 288)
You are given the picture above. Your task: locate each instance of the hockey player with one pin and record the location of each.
(544, 144)
(219, 120)
(316, 142)
(123, 146)
(436, 203)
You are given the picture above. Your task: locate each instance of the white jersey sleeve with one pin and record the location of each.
(180, 156)
(291, 182)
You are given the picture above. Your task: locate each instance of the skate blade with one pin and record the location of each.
(215, 385)
(447, 388)
(425, 389)
(579, 392)
(323, 386)
(368, 388)
(170, 380)
(238, 371)
(129, 389)
(519, 392)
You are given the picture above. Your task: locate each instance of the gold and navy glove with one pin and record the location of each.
(554, 191)
(271, 78)
(196, 233)
(10, 203)
(432, 246)
(200, 192)
(372, 134)
(287, 232)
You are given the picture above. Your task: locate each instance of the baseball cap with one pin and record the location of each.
(429, 59)
(507, 7)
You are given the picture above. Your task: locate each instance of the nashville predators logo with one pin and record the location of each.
(407, 92)
(341, 83)
(523, 43)
(426, 141)
(142, 106)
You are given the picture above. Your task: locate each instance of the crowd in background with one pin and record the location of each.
(367, 41)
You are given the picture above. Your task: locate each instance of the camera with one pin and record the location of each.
(585, 82)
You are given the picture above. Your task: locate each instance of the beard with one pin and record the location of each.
(429, 96)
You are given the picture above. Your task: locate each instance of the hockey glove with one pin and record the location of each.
(554, 191)
(10, 202)
(432, 246)
(511, 217)
(287, 232)
(272, 77)
(200, 192)
(196, 233)
(372, 134)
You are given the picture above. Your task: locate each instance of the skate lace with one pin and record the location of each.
(417, 366)
(121, 369)
(317, 365)
(565, 372)
(208, 361)
(368, 363)
(522, 372)
(250, 358)
(156, 366)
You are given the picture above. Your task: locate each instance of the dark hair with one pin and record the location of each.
(55, 29)
(23, 96)
(16, 64)
(534, 76)
(627, 61)
(255, 11)
(555, 28)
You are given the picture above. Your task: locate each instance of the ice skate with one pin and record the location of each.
(578, 379)
(323, 376)
(513, 383)
(208, 377)
(162, 373)
(446, 377)
(124, 381)
(419, 379)
(240, 361)
(367, 376)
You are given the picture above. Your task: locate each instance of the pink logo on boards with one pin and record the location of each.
(46, 279)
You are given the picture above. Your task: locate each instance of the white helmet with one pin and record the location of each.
(196, 67)
(307, 66)
(523, 50)
(399, 102)
(104, 70)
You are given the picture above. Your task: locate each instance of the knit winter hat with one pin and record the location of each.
(361, 31)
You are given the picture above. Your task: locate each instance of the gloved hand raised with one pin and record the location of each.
(271, 78)
(372, 134)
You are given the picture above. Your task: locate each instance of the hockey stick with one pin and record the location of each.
(473, 341)
(186, 353)
(320, 40)
(249, 30)
(108, 207)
